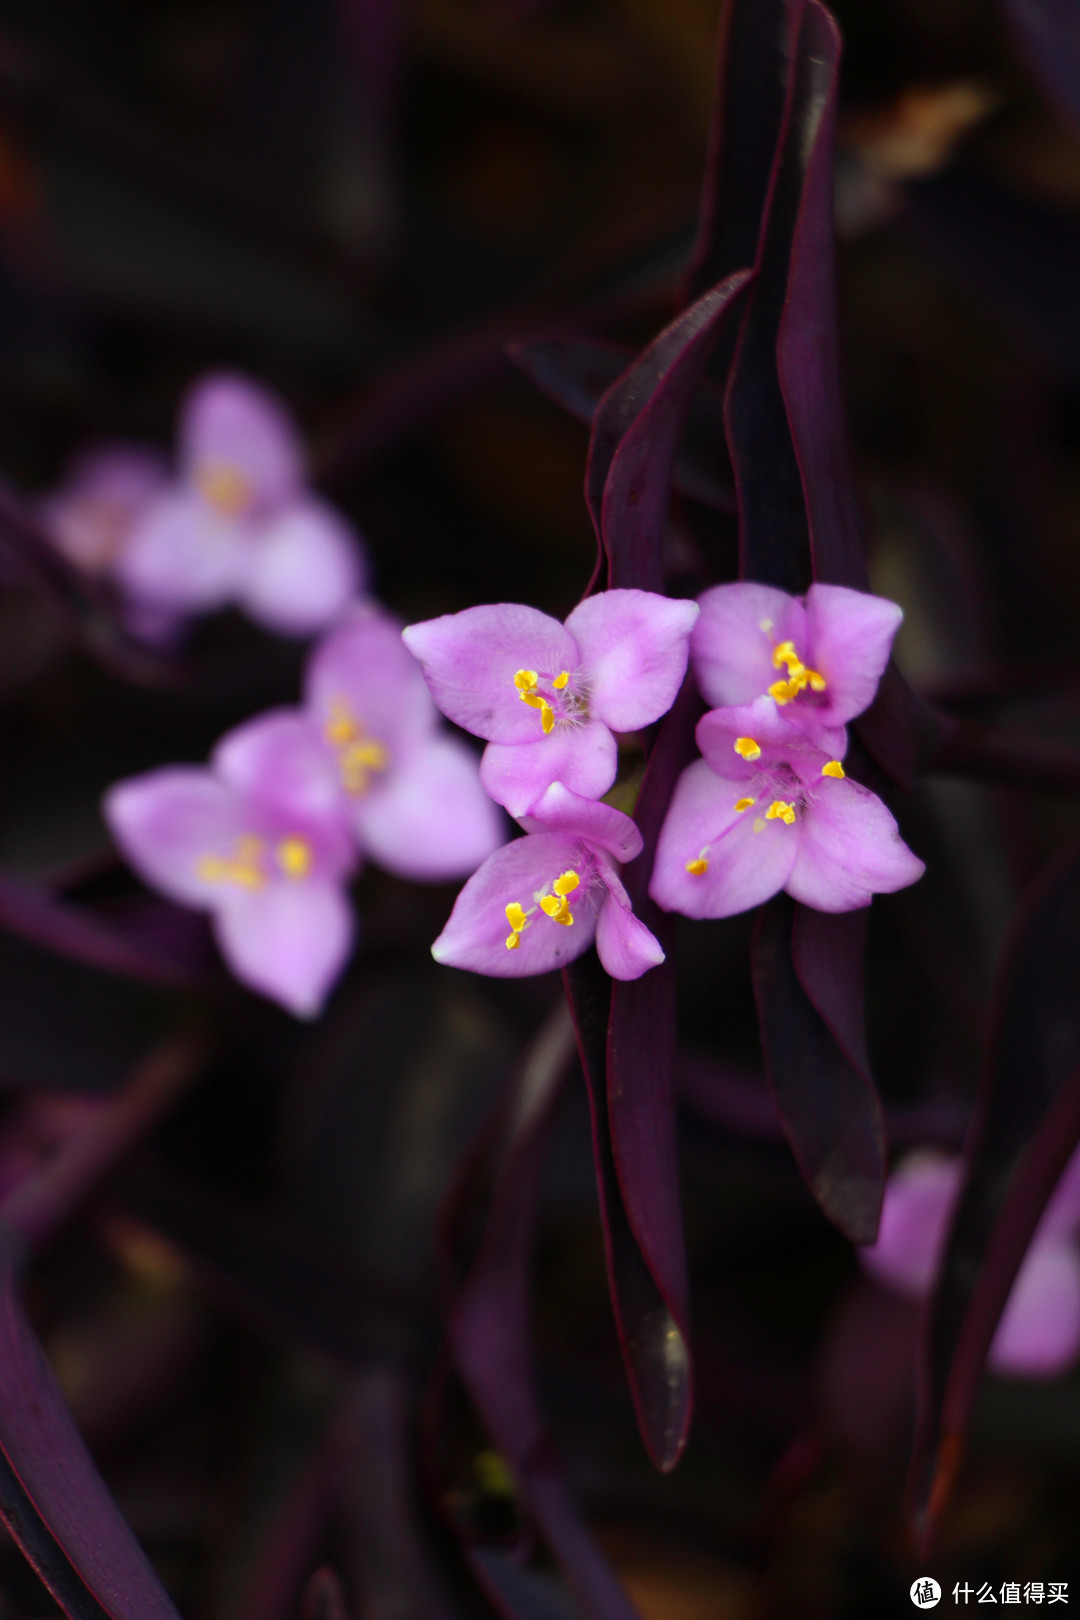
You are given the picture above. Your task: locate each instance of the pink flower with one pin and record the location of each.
(540, 901)
(820, 657)
(763, 811)
(271, 874)
(1039, 1332)
(90, 516)
(547, 696)
(238, 525)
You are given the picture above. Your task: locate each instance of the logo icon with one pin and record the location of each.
(925, 1592)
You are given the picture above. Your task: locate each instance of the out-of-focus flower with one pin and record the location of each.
(547, 697)
(1039, 1332)
(271, 872)
(90, 515)
(763, 811)
(820, 658)
(368, 747)
(540, 901)
(239, 524)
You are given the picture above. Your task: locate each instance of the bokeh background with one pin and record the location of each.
(360, 204)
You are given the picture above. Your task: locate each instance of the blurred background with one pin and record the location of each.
(360, 203)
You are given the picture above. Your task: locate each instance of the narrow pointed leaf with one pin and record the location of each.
(807, 983)
(1026, 1126)
(52, 1497)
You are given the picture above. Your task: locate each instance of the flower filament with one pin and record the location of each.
(799, 677)
(529, 691)
(556, 906)
(358, 754)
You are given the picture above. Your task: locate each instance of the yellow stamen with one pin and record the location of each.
(783, 691)
(224, 487)
(567, 883)
(512, 942)
(798, 676)
(557, 906)
(525, 680)
(779, 811)
(243, 868)
(744, 804)
(294, 857)
(698, 867)
(560, 680)
(747, 747)
(833, 768)
(518, 918)
(547, 719)
(817, 682)
(784, 653)
(358, 754)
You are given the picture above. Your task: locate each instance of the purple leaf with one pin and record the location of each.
(1048, 34)
(807, 969)
(658, 389)
(636, 430)
(52, 1497)
(748, 106)
(1026, 1125)
(490, 1338)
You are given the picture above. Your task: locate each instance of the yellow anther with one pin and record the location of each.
(547, 718)
(779, 811)
(798, 676)
(817, 682)
(784, 653)
(698, 867)
(833, 768)
(560, 680)
(513, 941)
(783, 691)
(567, 883)
(518, 918)
(358, 754)
(744, 804)
(557, 906)
(223, 486)
(525, 680)
(294, 857)
(244, 868)
(747, 747)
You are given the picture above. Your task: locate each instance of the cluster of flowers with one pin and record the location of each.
(267, 836)
(1039, 1332)
(234, 525)
(768, 807)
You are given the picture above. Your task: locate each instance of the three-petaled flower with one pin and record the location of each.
(819, 657)
(1038, 1335)
(267, 837)
(239, 524)
(540, 901)
(548, 697)
(764, 811)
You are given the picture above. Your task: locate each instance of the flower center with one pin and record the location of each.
(247, 867)
(358, 755)
(224, 487)
(555, 905)
(798, 678)
(778, 776)
(553, 699)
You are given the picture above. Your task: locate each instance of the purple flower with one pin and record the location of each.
(271, 874)
(820, 658)
(90, 516)
(1039, 1332)
(540, 901)
(548, 697)
(763, 812)
(239, 525)
(368, 748)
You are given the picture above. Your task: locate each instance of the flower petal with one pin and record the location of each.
(559, 810)
(1039, 1332)
(850, 636)
(363, 666)
(780, 742)
(165, 823)
(625, 946)
(231, 425)
(470, 659)
(281, 762)
(305, 567)
(919, 1197)
(288, 940)
(584, 757)
(731, 648)
(183, 554)
(748, 859)
(476, 934)
(90, 515)
(850, 850)
(429, 820)
(1062, 1213)
(634, 647)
